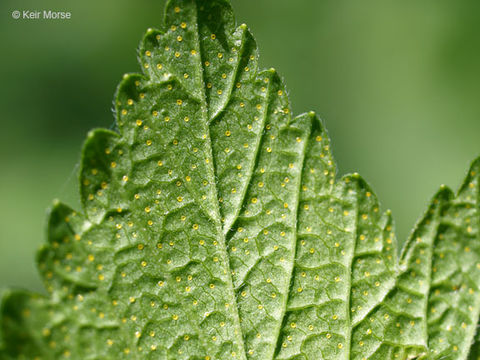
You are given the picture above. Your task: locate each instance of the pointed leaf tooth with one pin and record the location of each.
(454, 298)
(318, 174)
(63, 261)
(375, 260)
(262, 242)
(345, 263)
(237, 135)
(318, 309)
(223, 50)
(96, 173)
(399, 321)
(175, 51)
(319, 168)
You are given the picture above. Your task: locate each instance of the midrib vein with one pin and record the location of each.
(218, 224)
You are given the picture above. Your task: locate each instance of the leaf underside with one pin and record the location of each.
(213, 227)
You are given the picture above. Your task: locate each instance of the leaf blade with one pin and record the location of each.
(454, 304)
(339, 225)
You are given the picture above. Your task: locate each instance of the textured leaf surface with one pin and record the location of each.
(213, 227)
(454, 301)
(346, 261)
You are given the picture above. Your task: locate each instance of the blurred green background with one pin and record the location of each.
(396, 82)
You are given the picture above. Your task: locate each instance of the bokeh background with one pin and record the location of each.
(397, 84)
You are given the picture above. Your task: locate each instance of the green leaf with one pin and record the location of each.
(346, 262)
(454, 300)
(213, 227)
(434, 307)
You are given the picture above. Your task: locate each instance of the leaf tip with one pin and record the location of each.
(475, 166)
(443, 193)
